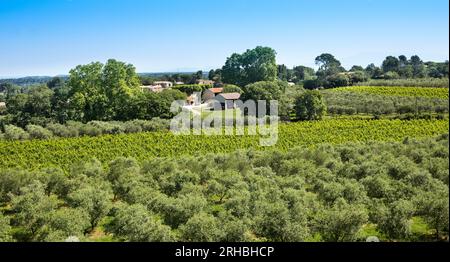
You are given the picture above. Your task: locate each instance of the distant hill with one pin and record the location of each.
(29, 80)
(35, 80)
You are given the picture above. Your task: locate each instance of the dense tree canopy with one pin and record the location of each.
(254, 65)
(102, 92)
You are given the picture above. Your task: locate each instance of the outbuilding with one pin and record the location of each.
(227, 100)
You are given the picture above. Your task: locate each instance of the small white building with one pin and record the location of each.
(2, 105)
(164, 84)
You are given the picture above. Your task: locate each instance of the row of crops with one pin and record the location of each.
(398, 91)
(63, 153)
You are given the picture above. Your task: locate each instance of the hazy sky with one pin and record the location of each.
(48, 37)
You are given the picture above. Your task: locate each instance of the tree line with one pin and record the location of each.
(260, 65)
(111, 91)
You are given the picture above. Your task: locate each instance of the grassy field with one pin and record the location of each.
(399, 91)
(63, 153)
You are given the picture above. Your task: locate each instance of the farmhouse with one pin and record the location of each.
(211, 93)
(227, 100)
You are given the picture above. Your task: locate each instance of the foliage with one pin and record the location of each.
(441, 93)
(134, 223)
(15, 133)
(342, 222)
(310, 106)
(349, 101)
(92, 128)
(201, 227)
(252, 66)
(101, 92)
(421, 82)
(326, 193)
(32, 208)
(38, 132)
(232, 89)
(94, 199)
(264, 91)
(190, 89)
(64, 152)
(5, 229)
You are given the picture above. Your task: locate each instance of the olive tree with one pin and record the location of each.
(341, 222)
(135, 223)
(32, 209)
(94, 199)
(395, 219)
(202, 227)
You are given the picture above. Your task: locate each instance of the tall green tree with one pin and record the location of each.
(419, 69)
(328, 65)
(391, 63)
(282, 72)
(254, 65)
(102, 92)
(303, 73)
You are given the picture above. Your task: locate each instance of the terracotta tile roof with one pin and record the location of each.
(216, 90)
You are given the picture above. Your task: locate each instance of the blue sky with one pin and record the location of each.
(49, 37)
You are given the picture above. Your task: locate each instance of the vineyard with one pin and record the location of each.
(441, 93)
(63, 153)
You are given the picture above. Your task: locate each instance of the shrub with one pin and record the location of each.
(107, 127)
(15, 133)
(189, 89)
(89, 130)
(358, 76)
(310, 106)
(63, 130)
(156, 124)
(132, 127)
(391, 75)
(38, 132)
(337, 80)
(311, 84)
